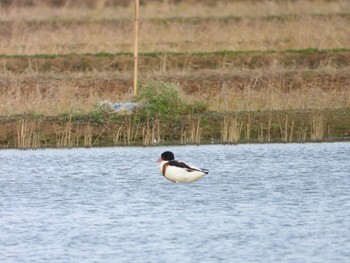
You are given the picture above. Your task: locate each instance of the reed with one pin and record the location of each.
(28, 135)
(76, 136)
(151, 132)
(286, 129)
(191, 133)
(73, 135)
(248, 129)
(117, 136)
(131, 131)
(195, 132)
(291, 131)
(183, 135)
(231, 129)
(99, 136)
(302, 132)
(317, 127)
(269, 129)
(88, 136)
(64, 137)
(264, 133)
(261, 134)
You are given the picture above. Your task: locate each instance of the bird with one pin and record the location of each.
(179, 172)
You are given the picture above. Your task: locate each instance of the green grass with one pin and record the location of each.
(190, 20)
(200, 54)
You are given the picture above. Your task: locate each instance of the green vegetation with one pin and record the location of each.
(164, 101)
(308, 51)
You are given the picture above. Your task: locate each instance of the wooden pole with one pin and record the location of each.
(136, 40)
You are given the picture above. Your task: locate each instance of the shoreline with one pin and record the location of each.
(346, 140)
(294, 126)
(174, 144)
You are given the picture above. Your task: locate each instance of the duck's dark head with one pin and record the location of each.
(166, 156)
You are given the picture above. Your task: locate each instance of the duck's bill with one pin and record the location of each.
(159, 160)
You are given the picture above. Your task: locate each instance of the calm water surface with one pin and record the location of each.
(259, 203)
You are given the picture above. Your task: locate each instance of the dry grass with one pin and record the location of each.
(91, 32)
(165, 9)
(51, 100)
(278, 88)
(178, 36)
(248, 90)
(88, 30)
(71, 99)
(274, 98)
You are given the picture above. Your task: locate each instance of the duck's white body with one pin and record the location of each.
(180, 175)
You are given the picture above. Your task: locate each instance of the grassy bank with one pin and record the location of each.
(266, 71)
(165, 116)
(35, 132)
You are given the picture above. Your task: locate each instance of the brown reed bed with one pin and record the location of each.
(28, 135)
(317, 127)
(191, 131)
(231, 129)
(151, 134)
(72, 134)
(253, 127)
(287, 129)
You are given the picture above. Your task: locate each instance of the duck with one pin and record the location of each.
(179, 172)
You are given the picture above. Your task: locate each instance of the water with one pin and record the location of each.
(259, 203)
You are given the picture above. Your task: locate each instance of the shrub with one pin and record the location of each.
(164, 100)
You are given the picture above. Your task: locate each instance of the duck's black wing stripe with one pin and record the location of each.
(179, 164)
(183, 165)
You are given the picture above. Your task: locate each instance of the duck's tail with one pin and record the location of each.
(206, 171)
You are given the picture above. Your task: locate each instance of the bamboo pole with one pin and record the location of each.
(136, 40)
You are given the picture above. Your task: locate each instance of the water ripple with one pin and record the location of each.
(259, 203)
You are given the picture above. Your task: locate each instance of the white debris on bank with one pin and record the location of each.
(119, 107)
